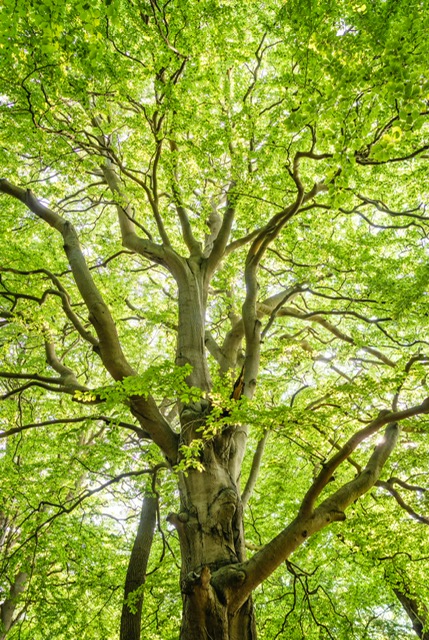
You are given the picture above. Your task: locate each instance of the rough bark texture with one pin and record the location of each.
(217, 580)
(206, 615)
(212, 538)
(136, 574)
(210, 528)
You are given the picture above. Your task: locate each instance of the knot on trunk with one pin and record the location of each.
(195, 413)
(228, 580)
(222, 511)
(194, 581)
(178, 519)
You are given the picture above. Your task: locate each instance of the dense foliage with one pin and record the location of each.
(282, 148)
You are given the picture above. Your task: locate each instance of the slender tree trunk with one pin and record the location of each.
(136, 573)
(417, 615)
(8, 607)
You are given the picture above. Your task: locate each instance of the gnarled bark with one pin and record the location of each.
(217, 580)
(210, 528)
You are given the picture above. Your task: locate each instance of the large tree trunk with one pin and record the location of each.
(210, 522)
(191, 334)
(206, 617)
(210, 527)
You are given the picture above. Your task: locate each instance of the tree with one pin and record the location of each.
(214, 258)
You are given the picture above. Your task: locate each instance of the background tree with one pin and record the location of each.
(213, 282)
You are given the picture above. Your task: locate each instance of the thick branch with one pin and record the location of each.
(240, 242)
(331, 465)
(214, 223)
(234, 337)
(99, 315)
(8, 606)
(351, 491)
(417, 614)
(160, 254)
(214, 349)
(10, 375)
(220, 242)
(255, 254)
(265, 561)
(188, 237)
(67, 375)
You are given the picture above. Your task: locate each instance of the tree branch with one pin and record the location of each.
(100, 316)
(130, 239)
(360, 159)
(75, 502)
(193, 245)
(254, 470)
(257, 250)
(214, 349)
(417, 614)
(110, 349)
(67, 375)
(8, 606)
(265, 561)
(290, 311)
(393, 492)
(42, 385)
(126, 425)
(220, 242)
(65, 301)
(352, 443)
(270, 306)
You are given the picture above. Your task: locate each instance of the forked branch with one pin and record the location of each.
(109, 347)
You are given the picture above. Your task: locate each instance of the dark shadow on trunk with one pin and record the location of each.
(418, 615)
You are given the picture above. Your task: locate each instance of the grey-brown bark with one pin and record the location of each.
(417, 614)
(217, 580)
(206, 615)
(136, 573)
(210, 528)
(192, 300)
(109, 347)
(8, 606)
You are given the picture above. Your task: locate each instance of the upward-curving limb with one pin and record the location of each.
(109, 347)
